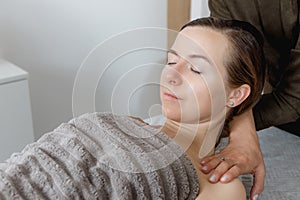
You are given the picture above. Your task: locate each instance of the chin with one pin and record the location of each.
(170, 114)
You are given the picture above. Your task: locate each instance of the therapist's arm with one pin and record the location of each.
(283, 104)
(242, 155)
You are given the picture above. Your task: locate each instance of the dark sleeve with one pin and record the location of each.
(283, 104)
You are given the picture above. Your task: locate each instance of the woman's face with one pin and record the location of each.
(192, 80)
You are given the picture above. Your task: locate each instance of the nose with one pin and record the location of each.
(173, 74)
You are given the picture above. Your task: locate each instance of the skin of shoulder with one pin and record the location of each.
(233, 190)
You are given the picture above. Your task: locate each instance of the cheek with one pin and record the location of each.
(202, 99)
(217, 93)
(197, 105)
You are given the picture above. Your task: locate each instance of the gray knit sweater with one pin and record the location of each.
(100, 156)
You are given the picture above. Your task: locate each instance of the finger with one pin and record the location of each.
(221, 169)
(211, 164)
(206, 159)
(230, 174)
(258, 183)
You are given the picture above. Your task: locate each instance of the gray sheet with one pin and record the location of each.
(281, 151)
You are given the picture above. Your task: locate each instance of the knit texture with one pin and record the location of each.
(100, 156)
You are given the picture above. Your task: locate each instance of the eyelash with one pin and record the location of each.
(191, 68)
(195, 71)
(171, 63)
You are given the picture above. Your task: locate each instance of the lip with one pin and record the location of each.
(169, 96)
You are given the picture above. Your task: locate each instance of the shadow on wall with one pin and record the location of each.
(132, 83)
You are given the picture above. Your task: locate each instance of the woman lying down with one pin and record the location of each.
(214, 71)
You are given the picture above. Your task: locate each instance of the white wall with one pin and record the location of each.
(199, 8)
(51, 38)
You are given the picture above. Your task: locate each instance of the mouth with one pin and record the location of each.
(169, 96)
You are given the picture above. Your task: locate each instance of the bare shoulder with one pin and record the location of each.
(234, 190)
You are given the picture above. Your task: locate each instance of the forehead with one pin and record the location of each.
(202, 40)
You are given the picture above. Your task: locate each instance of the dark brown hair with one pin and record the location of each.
(244, 62)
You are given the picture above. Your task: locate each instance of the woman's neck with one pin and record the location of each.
(191, 136)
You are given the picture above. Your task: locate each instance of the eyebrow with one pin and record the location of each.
(173, 52)
(191, 56)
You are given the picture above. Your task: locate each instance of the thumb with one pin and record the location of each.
(258, 184)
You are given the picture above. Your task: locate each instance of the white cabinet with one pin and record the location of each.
(16, 128)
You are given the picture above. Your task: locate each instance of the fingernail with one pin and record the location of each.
(213, 178)
(202, 162)
(255, 197)
(204, 168)
(224, 178)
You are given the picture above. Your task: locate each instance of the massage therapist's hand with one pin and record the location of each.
(241, 156)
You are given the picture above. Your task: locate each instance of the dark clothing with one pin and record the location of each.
(292, 127)
(278, 21)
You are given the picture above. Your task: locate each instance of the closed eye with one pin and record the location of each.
(195, 70)
(171, 63)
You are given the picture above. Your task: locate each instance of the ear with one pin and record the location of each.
(238, 95)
